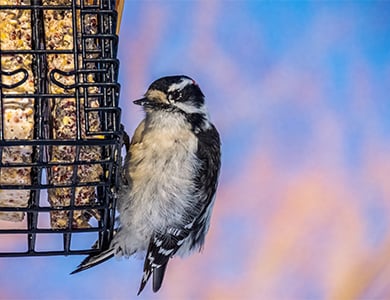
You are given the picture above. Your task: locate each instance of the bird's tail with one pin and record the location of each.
(158, 276)
(93, 260)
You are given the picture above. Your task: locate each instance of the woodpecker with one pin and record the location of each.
(170, 179)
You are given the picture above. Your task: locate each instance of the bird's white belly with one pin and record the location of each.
(161, 173)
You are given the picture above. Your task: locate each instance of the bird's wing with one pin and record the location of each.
(161, 248)
(206, 181)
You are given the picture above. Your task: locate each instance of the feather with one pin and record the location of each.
(158, 276)
(93, 260)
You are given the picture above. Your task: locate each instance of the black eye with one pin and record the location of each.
(175, 95)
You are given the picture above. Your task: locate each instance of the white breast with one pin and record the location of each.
(161, 169)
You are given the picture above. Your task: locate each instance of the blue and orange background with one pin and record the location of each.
(299, 91)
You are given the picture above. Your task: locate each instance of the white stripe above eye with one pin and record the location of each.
(181, 85)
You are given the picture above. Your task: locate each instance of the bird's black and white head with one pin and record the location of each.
(176, 94)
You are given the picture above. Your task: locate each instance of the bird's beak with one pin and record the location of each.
(142, 101)
(147, 103)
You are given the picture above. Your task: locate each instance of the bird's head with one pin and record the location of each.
(173, 93)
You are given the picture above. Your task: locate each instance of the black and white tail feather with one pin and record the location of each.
(93, 260)
(175, 115)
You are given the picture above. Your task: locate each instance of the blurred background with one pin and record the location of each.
(300, 94)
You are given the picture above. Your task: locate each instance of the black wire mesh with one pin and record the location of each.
(60, 131)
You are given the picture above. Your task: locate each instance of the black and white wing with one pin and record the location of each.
(161, 248)
(209, 153)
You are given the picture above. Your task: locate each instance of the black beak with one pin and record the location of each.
(142, 101)
(145, 102)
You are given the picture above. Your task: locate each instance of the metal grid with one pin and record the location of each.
(93, 75)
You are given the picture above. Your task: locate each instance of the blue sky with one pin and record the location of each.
(299, 93)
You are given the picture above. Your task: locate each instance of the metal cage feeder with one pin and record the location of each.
(60, 129)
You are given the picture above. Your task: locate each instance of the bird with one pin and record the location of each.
(170, 178)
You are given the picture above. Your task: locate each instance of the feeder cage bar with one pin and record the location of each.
(60, 129)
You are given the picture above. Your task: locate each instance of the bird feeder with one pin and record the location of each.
(60, 125)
